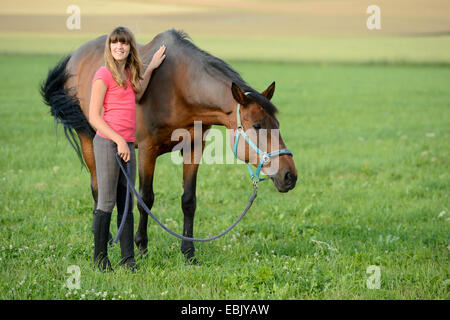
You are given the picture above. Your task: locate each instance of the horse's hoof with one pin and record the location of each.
(141, 245)
(142, 252)
(192, 261)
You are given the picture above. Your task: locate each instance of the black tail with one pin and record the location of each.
(64, 105)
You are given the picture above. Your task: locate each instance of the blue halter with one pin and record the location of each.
(265, 156)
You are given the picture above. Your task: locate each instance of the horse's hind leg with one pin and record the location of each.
(146, 163)
(87, 148)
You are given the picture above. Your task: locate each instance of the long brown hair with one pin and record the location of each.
(124, 35)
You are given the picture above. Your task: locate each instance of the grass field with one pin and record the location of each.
(371, 143)
(366, 114)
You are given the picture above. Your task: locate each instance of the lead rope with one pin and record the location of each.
(147, 210)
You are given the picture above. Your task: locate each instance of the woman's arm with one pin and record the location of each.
(157, 59)
(95, 119)
(144, 83)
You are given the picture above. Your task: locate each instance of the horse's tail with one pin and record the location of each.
(64, 105)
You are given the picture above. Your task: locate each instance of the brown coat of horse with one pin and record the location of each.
(190, 85)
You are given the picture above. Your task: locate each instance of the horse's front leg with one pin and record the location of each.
(146, 164)
(188, 204)
(188, 199)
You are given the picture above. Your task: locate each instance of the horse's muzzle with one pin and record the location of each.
(285, 181)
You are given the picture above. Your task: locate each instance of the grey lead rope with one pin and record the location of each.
(142, 203)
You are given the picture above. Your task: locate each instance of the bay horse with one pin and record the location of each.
(190, 85)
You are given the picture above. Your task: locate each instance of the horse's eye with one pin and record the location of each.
(257, 126)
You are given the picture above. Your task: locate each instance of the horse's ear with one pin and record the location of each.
(268, 93)
(239, 95)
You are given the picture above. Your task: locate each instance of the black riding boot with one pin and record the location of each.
(126, 237)
(110, 237)
(100, 228)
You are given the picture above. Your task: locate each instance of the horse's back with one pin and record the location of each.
(82, 65)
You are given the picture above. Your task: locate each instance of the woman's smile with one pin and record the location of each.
(120, 50)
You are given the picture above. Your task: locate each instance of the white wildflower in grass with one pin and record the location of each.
(441, 214)
(164, 293)
(256, 253)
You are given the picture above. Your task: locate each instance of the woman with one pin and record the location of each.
(116, 87)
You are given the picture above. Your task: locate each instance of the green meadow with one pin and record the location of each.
(371, 145)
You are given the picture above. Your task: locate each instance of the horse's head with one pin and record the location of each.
(257, 139)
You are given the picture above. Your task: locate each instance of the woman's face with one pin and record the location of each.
(120, 50)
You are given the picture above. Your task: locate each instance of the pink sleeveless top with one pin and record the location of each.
(119, 105)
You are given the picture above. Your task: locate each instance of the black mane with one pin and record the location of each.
(218, 68)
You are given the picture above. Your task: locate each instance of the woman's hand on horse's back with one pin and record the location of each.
(123, 150)
(158, 58)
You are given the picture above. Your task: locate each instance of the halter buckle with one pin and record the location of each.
(266, 158)
(255, 186)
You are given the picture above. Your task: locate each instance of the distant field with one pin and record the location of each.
(371, 144)
(246, 18)
(412, 31)
(416, 50)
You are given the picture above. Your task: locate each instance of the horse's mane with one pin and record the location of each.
(216, 67)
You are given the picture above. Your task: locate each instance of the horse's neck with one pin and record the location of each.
(214, 101)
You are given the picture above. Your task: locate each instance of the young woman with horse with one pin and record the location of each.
(112, 111)
(190, 86)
